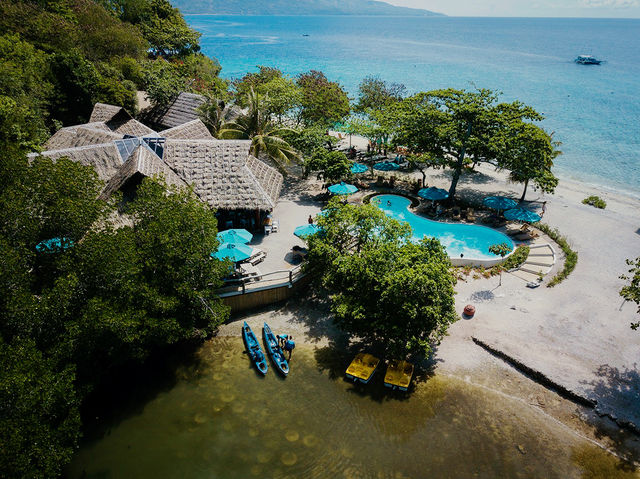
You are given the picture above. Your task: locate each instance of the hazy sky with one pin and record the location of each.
(529, 8)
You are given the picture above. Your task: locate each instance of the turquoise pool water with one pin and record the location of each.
(472, 241)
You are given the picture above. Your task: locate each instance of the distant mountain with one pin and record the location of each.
(297, 7)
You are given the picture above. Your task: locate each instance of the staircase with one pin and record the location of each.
(541, 259)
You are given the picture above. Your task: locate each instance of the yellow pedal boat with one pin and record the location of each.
(399, 374)
(362, 367)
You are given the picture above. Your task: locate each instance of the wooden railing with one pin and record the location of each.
(274, 279)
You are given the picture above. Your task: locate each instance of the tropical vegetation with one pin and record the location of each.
(631, 291)
(383, 287)
(595, 201)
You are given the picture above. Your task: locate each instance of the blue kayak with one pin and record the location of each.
(253, 349)
(274, 350)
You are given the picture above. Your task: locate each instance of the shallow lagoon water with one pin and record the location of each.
(221, 420)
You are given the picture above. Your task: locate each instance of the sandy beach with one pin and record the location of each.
(576, 334)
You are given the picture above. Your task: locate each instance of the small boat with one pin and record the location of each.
(399, 374)
(274, 350)
(253, 349)
(587, 60)
(362, 367)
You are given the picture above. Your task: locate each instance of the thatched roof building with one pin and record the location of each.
(182, 110)
(123, 151)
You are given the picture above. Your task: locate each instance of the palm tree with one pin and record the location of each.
(257, 126)
(212, 115)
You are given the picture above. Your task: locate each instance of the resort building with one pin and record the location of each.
(222, 173)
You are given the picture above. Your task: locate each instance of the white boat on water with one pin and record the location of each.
(587, 60)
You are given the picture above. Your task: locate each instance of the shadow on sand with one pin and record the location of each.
(617, 393)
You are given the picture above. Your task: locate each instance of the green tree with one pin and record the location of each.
(39, 419)
(166, 30)
(457, 124)
(528, 154)
(145, 286)
(307, 140)
(75, 88)
(323, 101)
(280, 93)
(502, 250)
(50, 199)
(263, 133)
(383, 287)
(376, 94)
(333, 166)
(631, 291)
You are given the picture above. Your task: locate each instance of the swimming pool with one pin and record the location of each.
(472, 241)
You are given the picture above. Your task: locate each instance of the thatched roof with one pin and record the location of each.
(193, 130)
(82, 135)
(103, 157)
(142, 162)
(182, 110)
(103, 112)
(223, 174)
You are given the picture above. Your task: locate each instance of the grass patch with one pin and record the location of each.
(595, 201)
(571, 257)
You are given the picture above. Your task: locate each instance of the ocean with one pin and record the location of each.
(593, 110)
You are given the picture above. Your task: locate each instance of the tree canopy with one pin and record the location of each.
(459, 125)
(375, 94)
(383, 287)
(631, 291)
(323, 101)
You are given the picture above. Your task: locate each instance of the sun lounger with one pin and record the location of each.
(527, 235)
(471, 217)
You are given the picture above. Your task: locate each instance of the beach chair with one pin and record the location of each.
(527, 235)
(471, 217)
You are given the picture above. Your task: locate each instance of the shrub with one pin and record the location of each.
(518, 257)
(595, 201)
(571, 257)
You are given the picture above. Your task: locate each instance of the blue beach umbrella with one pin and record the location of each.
(358, 168)
(233, 251)
(53, 245)
(433, 194)
(386, 166)
(499, 203)
(234, 236)
(520, 214)
(306, 230)
(342, 188)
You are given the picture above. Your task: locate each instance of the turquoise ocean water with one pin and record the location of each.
(593, 110)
